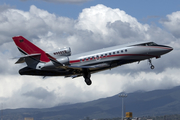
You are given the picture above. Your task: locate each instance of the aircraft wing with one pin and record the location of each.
(90, 67)
(93, 67)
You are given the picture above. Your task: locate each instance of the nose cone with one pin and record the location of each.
(168, 49)
(164, 49)
(159, 50)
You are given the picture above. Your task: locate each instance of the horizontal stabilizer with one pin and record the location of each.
(22, 58)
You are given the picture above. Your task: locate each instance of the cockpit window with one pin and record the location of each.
(151, 44)
(147, 44)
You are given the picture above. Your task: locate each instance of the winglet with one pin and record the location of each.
(28, 48)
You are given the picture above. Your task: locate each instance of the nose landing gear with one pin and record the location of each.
(152, 66)
(150, 63)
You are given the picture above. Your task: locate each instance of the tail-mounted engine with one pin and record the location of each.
(63, 60)
(66, 51)
(58, 58)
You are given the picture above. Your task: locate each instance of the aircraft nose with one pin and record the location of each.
(162, 49)
(168, 48)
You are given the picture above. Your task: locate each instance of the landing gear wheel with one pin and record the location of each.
(152, 66)
(88, 81)
(87, 75)
(150, 63)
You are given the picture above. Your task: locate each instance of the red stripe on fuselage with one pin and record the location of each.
(74, 61)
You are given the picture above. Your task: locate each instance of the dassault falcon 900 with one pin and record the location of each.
(62, 63)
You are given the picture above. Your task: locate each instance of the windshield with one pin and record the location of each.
(147, 44)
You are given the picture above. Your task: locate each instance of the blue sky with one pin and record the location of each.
(146, 11)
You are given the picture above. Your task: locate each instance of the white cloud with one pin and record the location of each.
(172, 23)
(108, 22)
(100, 15)
(28, 91)
(96, 27)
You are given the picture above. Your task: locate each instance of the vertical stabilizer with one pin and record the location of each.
(28, 48)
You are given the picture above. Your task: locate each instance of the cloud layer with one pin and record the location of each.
(96, 27)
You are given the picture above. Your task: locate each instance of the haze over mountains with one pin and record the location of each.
(157, 102)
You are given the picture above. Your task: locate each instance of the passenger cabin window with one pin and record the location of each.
(84, 59)
(80, 60)
(114, 53)
(92, 57)
(102, 56)
(109, 53)
(117, 52)
(121, 51)
(88, 58)
(105, 54)
(125, 50)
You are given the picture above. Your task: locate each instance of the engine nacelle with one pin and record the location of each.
(63, 60)
(66, 51)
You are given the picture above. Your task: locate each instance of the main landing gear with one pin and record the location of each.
(87, 75)
(150, 63)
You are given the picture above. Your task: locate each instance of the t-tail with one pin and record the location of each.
(30, 50)
(31, 54)
(36, 58)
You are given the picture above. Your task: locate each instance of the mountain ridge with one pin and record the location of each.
(156, 102)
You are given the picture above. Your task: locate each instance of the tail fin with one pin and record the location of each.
(27, 48)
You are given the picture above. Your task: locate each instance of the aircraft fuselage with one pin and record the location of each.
(62, 63)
